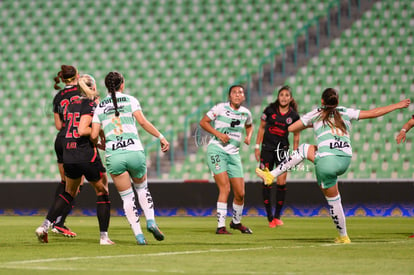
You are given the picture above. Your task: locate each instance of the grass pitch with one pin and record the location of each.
(301, 246)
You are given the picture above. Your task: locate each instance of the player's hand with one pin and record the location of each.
(404, 103)
(400, 137)
(257, 154)
(247, 140)
(165, 145)
(223, 138)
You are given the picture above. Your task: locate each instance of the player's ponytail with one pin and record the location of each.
(331, 99)
(113, 81)
(67, 74)
(87, 86)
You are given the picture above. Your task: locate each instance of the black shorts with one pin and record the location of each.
(271, 159)
(59, 148)
(93, 171)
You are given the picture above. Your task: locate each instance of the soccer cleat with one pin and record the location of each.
(265, 175)
(63, 230)
(242, 228)
(156, 232)
(275, 222)
(106, 241)
(41, 234)
(222, 231)
(141, 239)
(342, 239)
(412, 236)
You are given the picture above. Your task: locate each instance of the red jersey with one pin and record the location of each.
(62, 100)
(276, 129)
(77, 148)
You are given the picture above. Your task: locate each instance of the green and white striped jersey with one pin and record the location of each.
(231, 122)
(331, 141)
(121, 132)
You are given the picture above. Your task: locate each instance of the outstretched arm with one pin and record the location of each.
(297, 126)
(380, 111)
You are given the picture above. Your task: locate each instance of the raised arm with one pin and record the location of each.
(380, 111)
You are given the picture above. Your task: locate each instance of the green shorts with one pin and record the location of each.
(328, 168)
(219, 161)
(133, 162)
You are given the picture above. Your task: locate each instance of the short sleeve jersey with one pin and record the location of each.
(231, 122)
(121, 133)
(276, 128)
(332, 141)
(62, 100)
(77, 148)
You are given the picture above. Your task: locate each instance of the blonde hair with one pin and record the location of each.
(86, 84)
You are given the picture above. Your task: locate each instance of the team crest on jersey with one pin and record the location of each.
(289, 120)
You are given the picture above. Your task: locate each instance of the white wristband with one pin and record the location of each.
(404, 130)
(160, 136)
(257, 146)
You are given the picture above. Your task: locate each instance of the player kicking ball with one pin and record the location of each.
(332, 155)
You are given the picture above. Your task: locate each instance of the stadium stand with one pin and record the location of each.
(178, 55)
(175, 55)
(369, 65)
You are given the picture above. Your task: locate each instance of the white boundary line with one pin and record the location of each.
(135, 255)
(21, 264)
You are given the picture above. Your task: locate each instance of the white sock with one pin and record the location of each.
(221, 214)
(130, 209)
(145, 200)
(297, 157)
(237, 213)
(104, 235)
(46, 224)
(337, 214)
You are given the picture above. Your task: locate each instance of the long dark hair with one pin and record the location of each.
(113, 81)
(292, 103)
(66, 74)
(330, 100)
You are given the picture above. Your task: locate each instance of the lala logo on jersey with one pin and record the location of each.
(121, 143)
(338, 144)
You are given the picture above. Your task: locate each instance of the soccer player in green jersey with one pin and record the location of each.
(117, 115)
(230, 121)
(332, 155)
